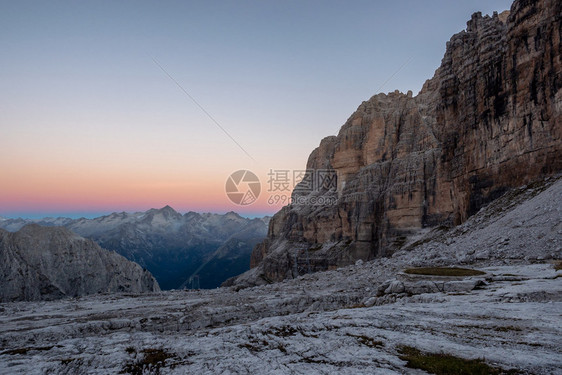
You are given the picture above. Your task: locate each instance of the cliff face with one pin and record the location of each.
(489, 119)
(48, 263)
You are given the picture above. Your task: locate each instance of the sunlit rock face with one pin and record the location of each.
(489, 120)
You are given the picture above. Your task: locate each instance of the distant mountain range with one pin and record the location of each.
(179, 250)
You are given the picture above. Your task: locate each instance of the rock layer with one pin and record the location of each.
(490, 119)
(48, 263)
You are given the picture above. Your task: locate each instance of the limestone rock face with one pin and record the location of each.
(51, 262)
(490, 119)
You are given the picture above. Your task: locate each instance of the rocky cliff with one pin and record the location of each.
(48, 263)
(490, 119)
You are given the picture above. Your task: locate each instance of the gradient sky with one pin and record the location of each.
(89, 124)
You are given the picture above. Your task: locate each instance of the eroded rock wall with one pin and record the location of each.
(490, 119)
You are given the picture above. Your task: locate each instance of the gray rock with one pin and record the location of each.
(395, 287)
(51, 262)
(461, 286)
(420, 287)
(484, 254)
(370, 301)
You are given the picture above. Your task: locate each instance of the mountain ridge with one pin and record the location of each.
(171, 245)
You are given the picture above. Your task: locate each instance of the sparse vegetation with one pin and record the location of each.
(558, 265)
(152, 361)
(443, 271)
(131, 350)
(255, 344)
(285, 331)
(367, 341)
(446, 364)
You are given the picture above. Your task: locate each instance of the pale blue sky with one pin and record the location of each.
(79, 87)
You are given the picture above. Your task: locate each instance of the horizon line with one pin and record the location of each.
(85, 214)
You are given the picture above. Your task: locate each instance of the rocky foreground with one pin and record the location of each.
(361, 319)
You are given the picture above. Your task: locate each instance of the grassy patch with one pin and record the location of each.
(152, 361)
(443, 271)
(367, 341)
(445, 364)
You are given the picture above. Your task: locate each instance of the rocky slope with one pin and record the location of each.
(351, 320)
(170, 245)
(489, 120)
(48, 263)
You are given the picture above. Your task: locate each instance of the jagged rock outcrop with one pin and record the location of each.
(48, 263)
(490, 119)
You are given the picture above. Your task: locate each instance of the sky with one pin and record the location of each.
(128, 105)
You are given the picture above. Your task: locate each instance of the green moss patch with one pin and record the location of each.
(446, 364)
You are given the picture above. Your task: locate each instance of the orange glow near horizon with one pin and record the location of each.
(34, 186)
(53, 166)
(90, 124)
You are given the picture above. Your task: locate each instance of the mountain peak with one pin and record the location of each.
(169, 212)
(232, 214)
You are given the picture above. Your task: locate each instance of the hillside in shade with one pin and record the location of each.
(50, 263)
